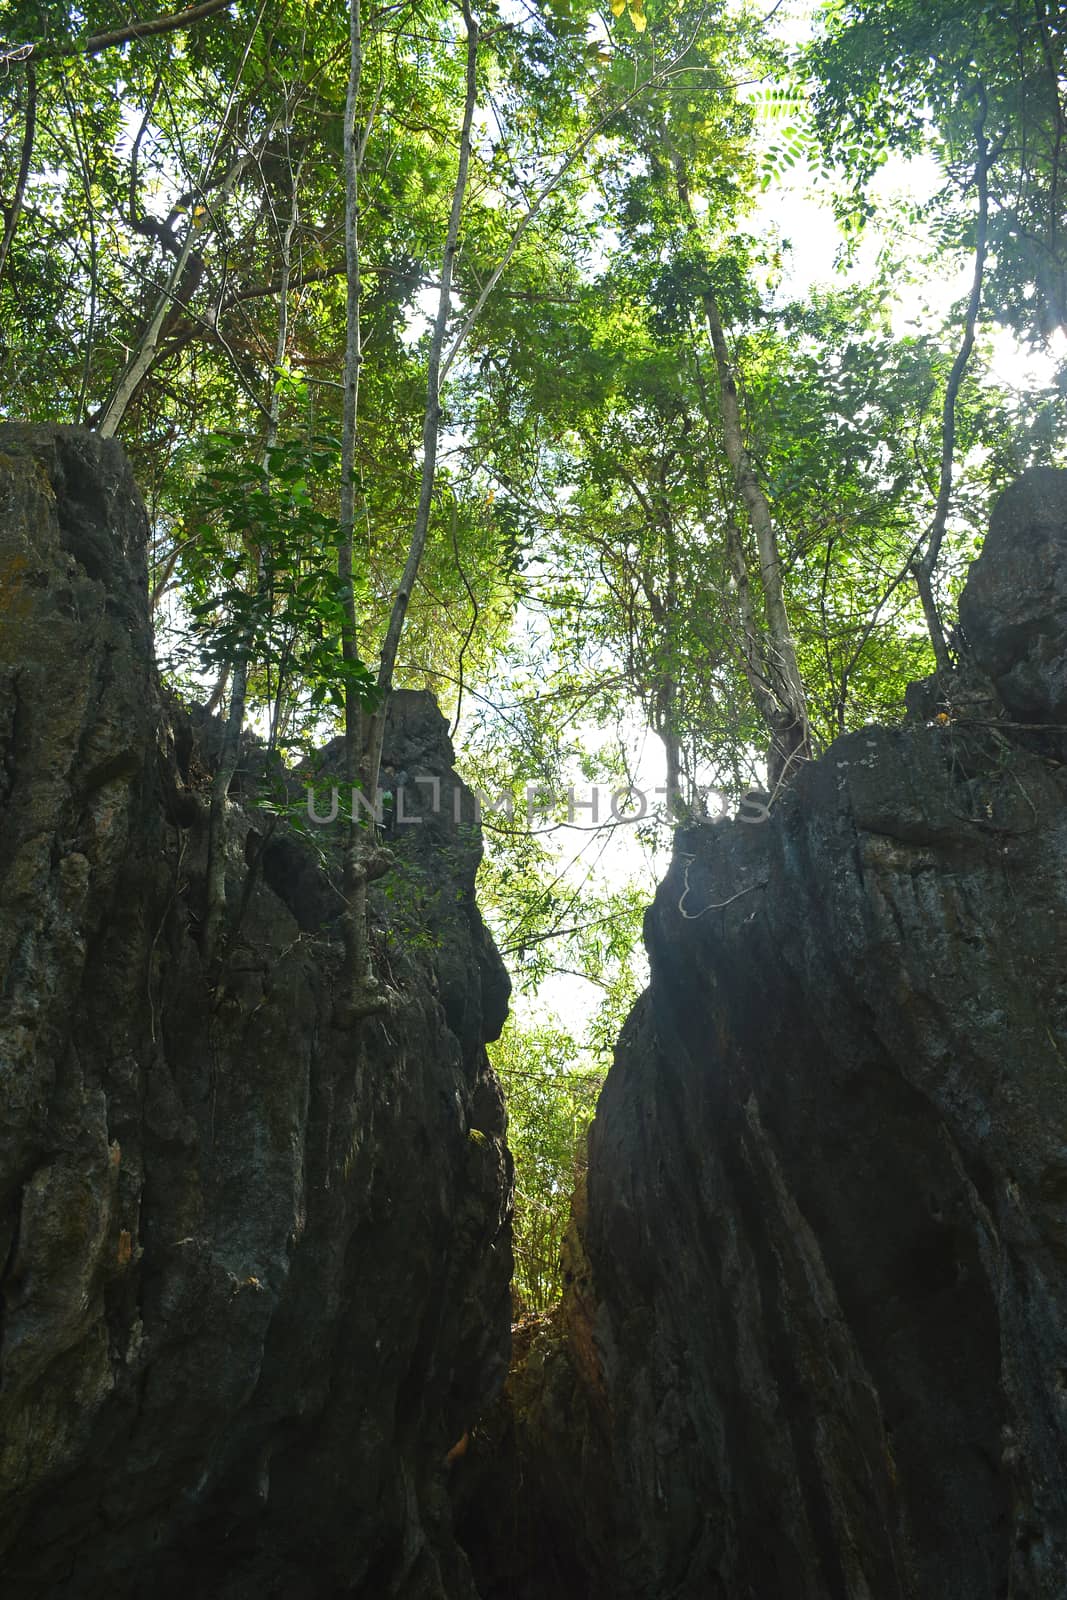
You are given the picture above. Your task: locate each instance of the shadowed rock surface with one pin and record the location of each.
(1014, 607)
(815, 1339)
(254, 1269)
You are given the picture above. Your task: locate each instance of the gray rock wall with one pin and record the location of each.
(253, 1269)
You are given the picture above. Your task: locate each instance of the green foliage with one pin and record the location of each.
(551, 1098)
(905, 76)
(414, 896)
(259, 571)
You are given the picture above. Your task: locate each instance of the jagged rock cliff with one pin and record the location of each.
(815, 1339)
(253, 1269)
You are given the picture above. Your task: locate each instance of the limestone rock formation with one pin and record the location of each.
(253, 1270)
(815, 1341)
(1014, 607)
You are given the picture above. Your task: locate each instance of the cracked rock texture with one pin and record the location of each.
(814, 1344)
(254, 1269)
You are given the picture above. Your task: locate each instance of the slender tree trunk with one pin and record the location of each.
(769, 657)
(360, 981)
(666, 696)
(751, 639)
(790, 731)
(365, 995)
(924, 566)
(431, 428)
(751, 642)
(229, 753)
(438, 365)
(14, 211)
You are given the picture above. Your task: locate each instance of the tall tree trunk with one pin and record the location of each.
(750, 637)
(924, 566)
(229, 752)
(14, 211)
(753, 660)
(769, 658)
(431, 428)
(666, 696)
(362, 998)
(365, 995)
(790, 731)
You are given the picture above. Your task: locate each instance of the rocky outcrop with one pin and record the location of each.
(1014, 607)
(815, 1340)
(254, 1268)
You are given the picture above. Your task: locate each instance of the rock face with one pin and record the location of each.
(815, 1341)
(1014, 608)
(253, 1269)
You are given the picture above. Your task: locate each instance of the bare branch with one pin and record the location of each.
(11, 221)
(98, 42)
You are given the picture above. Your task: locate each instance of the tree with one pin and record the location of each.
(991, 78)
